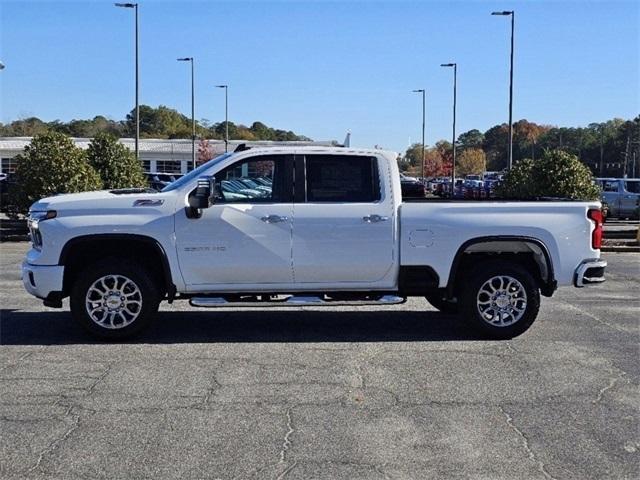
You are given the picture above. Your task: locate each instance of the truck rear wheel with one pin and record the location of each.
(501, 300)
(114, 298)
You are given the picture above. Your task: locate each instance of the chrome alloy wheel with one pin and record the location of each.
(501, 301)
(113, 301)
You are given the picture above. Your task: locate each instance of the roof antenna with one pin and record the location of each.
(241, 148)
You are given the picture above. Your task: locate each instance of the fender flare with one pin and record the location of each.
(547, 288)
(152, 242)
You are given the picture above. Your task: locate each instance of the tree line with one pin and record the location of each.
(160, 122)
(610, 148)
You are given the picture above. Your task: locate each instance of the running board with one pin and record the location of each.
(294, 301)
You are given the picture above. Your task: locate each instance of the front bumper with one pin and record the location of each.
(589, 272)
(42, 281)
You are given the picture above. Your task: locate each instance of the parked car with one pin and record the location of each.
(412, 188)
(622, 196)
(158, 181)
(341, 234)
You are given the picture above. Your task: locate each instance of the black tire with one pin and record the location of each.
(117, 269)
(437, 301)
(528, 306)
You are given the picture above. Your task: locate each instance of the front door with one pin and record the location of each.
(245, 237)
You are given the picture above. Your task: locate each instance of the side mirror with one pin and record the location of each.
(201, 197)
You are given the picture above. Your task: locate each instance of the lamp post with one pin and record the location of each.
(135, 7)
(421, 90)
(453, 139)
(512, 14)
(193, 116)
(226, 116)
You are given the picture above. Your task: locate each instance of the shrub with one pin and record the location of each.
(51, 165)
(115, 163)
(556, 174)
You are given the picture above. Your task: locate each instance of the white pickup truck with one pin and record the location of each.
(304, 227)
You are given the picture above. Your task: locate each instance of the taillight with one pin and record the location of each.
(595, 215)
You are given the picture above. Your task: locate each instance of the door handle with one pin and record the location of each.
(274, 219)
(375, 218)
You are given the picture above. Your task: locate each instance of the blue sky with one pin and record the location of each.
(322, 68)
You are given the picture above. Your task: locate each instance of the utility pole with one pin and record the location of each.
(453, 140)
(601, 151)
(512, 14)
(226, 116)
(421, 90)
(193, 115)
(135, 7)
(626, 156)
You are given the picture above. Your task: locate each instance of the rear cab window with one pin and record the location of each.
(342, 179)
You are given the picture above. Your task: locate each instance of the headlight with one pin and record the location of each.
(35, 217)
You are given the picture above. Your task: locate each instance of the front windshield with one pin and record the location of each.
(195, 173)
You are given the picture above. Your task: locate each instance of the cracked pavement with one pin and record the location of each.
(398, 392)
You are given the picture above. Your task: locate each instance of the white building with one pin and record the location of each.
(156, 154)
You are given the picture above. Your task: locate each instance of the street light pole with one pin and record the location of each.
(193, 115)
(511, 13)
(226, 116)
(453, 140)
(421, 90)
(135, 7)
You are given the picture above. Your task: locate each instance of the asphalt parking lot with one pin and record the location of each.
(374, 393)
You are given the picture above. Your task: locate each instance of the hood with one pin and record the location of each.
(115, 201)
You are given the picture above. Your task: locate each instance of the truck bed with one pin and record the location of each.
(437, 229)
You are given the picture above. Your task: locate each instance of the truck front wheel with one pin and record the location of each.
(114, 298)
(501, 300)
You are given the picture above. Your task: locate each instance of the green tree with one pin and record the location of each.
(115, 163)
(261, 131)
(27, 127)
(556, 174)
(496, 145)
(161, 122)
(220, 130)
(50, 165)
(471, 139)
(471, 161)
(413, 155)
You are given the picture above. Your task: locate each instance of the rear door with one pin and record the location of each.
(344, 222)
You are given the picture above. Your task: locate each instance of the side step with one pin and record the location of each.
(294, 301)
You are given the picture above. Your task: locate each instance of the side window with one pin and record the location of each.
(260, 179)
(610, 186)
(632, 187)
(342, 178)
